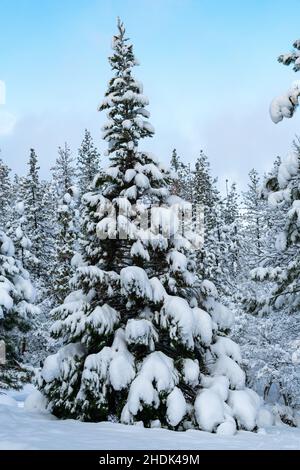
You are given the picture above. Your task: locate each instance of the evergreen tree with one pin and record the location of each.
(36, 198)
(139, 345)
(16, 310)
(67, 221)
(206, 198)
(66, 243)
(49, 229)
(64, 172)
(183, 181)
(205, 192)
(88, 163)
(38, 338)
(175, 162)
(30, 191)
(254, 217)
(32, 229)
(232, 239)
(5, 194)
(231, 209)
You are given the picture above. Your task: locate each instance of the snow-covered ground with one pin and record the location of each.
(21, 429)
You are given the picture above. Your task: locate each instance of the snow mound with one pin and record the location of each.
(23, 430)
(36, 402)
(265, 418)
(245, 405)
(228, 428)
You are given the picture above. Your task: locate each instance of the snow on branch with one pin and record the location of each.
(285, 105)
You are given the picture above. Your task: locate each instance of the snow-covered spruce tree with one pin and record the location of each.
(31, 229)
(5, 194)
(175, 162)
(38, 200)
(64, 171)
(232, 239)
(205, 196)
(254, 220)
(176, 166)
(66, 244)
(38, 338)
(16, 311)
(88, 163)
(182, 181)
(205, 192)
(48, 224)
(144, 338)
(31, 194)
(67, 221)
(231, 209)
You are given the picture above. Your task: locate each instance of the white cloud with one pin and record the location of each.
(7, 123)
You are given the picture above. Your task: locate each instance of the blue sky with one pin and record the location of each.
(208, 67)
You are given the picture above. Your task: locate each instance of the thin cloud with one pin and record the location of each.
(7, 123)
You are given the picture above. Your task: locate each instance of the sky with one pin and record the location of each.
(208, 67)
